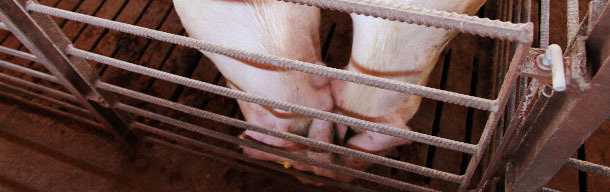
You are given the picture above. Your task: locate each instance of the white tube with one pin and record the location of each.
(559, 80)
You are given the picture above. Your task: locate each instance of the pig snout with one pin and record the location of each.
(317, 130)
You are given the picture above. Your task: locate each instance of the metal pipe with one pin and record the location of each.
(428, 17)
(48, 99)
(309, 112)
(573, 20)
(43, 37)
(524, 107)
(48, 90)
(29, 71)
(545, 6)
(52, 110)
(235, 155)
(271, 150)
(18, 53)
(588, 167)
(3, 26)
(388, 84)
(509, 83)
(284, 135)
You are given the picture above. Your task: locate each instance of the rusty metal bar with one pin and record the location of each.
(3, 26)
(51, 109)
(47, 90)
(545, 12)
(588, 167)
(29, 71)
(271, 150)
(45, 98)
(41, 35)
(284, 135)
(568, 119)
(510, 81)
(524, 107)
(306, 111)
(573, 20)
(238, 156)
(428, 17)
(17, 53)
(359, 78)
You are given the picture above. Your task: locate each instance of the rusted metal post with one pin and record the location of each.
(507, 87)
(41, 35)
(568, 119)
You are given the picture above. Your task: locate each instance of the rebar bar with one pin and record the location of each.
(17, 53)
(52, 92)
(588, 167)
(428, 17)
(284, 135)
(46, 98)
(573, 20)
(235, 155)
(271, 150)
(82, 119)
(309, 112)
(388, 84)
(3, 26)
(545, 6)
(505, 90)
(28, 71)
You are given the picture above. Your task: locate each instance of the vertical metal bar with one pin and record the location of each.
(524, 106)
(41, 35)
(567, 120)
(573, 20)
(544, 23)
(494, 117)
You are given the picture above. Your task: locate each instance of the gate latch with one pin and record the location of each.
(547, 66)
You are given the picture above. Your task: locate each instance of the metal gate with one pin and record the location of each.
(31, 24)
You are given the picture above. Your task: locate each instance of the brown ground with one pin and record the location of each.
(43, 151)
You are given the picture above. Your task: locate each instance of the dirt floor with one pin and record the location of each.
(43, 151)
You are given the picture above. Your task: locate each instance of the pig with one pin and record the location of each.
(273, 28)
(393, 50)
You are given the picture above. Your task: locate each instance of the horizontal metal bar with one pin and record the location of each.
(29, 71)
(588, 167)
(51, 109)
(3, 26)
(284, 135)
(18, 53)
(52, 92)
(429, 17)
(309, 112)
(271, 150)
(238, 156)
(388, 84)
(46, 98)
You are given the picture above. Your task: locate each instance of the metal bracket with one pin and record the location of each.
(546, 67)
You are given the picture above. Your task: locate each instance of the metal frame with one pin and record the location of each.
(45, 40)
(50, 47)
(568, 118)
